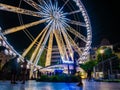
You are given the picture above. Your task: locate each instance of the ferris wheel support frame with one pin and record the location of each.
(42, 42)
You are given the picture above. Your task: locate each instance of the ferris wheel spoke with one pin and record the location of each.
(51, 5)
(66, 57)
(19, 28)
(44, 10)
(32, 44)
(60, 43)
(73, 12)
(30, 36)
(14, 9)
(38, 46)
(40, 50)
(60, 46)
(35, 40)
(38, 7)
(40, 1)
(40, 42)
(33, 4)
(46, 5)
(56, 5)
(69, 47)
(64, 5)
(73, 31)
(74, 44)
(76, 23)
(49, 50)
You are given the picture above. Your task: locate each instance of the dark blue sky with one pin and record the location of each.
(105, 20)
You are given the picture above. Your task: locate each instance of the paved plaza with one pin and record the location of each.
(33, 85)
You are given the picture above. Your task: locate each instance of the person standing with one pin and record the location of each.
(24, 71)
(89, 74)
(14, 69)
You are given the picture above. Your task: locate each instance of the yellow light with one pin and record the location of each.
(101, 51)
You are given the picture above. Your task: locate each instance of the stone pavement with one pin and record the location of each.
(33, 85)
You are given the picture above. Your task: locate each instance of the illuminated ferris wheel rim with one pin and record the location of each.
(58, 16)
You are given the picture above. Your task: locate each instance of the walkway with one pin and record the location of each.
(33, 85)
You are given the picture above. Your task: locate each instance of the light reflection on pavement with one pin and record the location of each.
(33, 85)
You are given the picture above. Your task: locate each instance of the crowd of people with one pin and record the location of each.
(18, 70)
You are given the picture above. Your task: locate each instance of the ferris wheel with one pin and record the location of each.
(49, 23)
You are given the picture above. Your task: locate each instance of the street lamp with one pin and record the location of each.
(102, 52)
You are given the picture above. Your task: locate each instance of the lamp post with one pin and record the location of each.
(0, 64)
(102, 52)
(68, 70)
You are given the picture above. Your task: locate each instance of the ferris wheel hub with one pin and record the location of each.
(56, 15)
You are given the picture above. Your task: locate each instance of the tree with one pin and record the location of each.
(42, 59)
(107, 53)
(89, 65)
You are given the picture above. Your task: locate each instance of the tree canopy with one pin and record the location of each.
(88, 65)
(107, 53)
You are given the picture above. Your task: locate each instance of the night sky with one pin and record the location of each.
(105, 20)
(104, 16)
